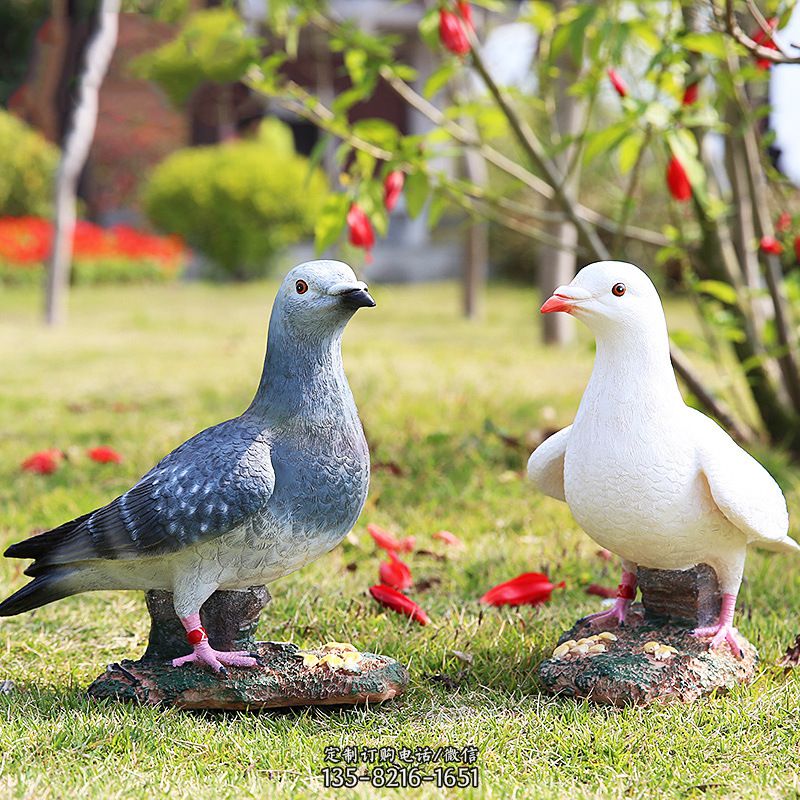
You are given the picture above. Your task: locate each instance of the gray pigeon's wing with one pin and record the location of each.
(208, 486)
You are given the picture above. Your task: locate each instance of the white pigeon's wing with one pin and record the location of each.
(742, 489)
(546, 464)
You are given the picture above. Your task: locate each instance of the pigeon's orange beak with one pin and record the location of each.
(557, 303)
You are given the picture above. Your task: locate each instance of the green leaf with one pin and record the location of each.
(439, 204)
(710, 44)
(719, 290)
(629, 150)
(541, 15)
(604, 141)
(417, 189)
(439, 78)
(331, 221)
(356, 62)
(377, 131)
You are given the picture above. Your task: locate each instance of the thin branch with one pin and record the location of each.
(739, 431)
(536, 152)
(776, 56)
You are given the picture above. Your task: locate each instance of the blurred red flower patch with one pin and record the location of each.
(530, 588)
(398, 602)
(601, 591)
(44, 462)
(104, 455)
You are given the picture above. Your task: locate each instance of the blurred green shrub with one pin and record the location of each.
(27, 167)
(239, 203)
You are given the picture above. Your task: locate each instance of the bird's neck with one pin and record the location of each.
(632, 374)
(303, 378)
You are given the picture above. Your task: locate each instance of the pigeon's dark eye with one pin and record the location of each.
(618, 289)
(301, 286)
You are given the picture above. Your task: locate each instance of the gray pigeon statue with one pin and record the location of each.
(242, 503)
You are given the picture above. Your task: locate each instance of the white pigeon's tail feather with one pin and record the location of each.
(786, 545)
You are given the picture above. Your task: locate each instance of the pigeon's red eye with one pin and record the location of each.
(618, 289)
(301, 286)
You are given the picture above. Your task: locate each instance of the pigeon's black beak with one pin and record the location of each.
(357, 298)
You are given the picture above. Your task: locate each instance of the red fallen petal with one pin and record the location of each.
(601, 591)
(448, 538)
(398, 602)
(530, 588)
(616, 81)
(389, 542)
(395, 573)
(690, 94)
(45, 462)
(678, 181)
(784, 222)
(104, 455)
(769, 244)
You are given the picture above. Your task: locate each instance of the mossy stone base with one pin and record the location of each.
(282, 681)
(622, 672)
(334, 675)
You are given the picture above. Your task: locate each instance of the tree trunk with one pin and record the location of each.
(557, 264)
(76, 150)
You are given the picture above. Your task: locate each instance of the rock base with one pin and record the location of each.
(333, 675)
(631, 670)
(336, 674)
(654, 658)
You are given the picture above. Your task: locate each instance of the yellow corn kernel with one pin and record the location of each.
(597, 648)
(345, 646)
(607, 635)
(651, 647)
(310, 660)
(561, 650)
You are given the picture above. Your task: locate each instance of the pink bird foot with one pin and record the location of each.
(203, 653)
(616, 614)
(723, 631)
(216, 659)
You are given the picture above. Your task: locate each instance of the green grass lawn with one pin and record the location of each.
(141, 369)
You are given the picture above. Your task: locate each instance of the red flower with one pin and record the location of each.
(45, 462)
(797, 248)
(465, 12)
(361, 233)
(677, 181)
(690, 94)
(395, 573)
(601, 591)
(784, 222)
(617, 82)
(769, 244)
(393, 188)
(452, 33)
(397, 601)
(765, 40)
(448, 538)
(104, 455)
(530, 588)
(387, 541)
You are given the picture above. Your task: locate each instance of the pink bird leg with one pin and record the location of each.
(626, 592)
(205, 655)
(723, 631)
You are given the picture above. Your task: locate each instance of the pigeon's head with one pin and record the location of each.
(319, 297)
(610, 296)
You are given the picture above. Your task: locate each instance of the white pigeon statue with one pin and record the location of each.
(647, 477)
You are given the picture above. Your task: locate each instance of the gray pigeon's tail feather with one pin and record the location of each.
(53, 585)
